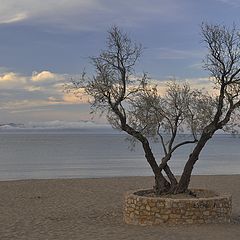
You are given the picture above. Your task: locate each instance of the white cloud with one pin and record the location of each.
(40, 92)
(43, 76)
(46, 88)
(11, 19)
(11, 77)
(38, 81)
(7, 77)
(19, 93)
(10, 80)
(201, 83)
(89, 14)
(77, 98)
(50, 10)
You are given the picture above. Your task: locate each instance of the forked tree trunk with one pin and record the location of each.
(161, 184)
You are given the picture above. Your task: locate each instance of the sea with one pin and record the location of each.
(98, 153)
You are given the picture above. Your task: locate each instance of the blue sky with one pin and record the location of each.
(44, 43)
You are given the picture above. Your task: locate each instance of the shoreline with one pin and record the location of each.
(92, 209)
(110, 177)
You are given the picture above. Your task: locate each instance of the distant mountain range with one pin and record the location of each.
(53, 125)
(11, 125)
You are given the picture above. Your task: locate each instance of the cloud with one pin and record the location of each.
(31, 104)
(89, 14)
(33, 88)
(44, 92)
(196, 66)
(23, 99)
(21, 93)
(78, 96)
(176, 54)
(201, 83)
(72, 98)
(15, 18)
(234, 3)
(43, 80)
(41, 11)
(43, 76)
(7, 77)
(11, 77)
(10, 80)
(18, 105)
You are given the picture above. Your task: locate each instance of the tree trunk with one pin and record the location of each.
(161, 185)
(171, 177)
(168, 171)
(193, 157)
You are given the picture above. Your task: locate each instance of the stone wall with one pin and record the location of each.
(140, 210)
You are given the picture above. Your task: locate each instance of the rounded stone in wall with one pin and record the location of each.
(141, 207)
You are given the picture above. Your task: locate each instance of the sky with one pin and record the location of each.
(43, 44)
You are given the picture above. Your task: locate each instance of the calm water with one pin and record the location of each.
(67, 154)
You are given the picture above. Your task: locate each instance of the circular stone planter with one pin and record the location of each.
(144, 210)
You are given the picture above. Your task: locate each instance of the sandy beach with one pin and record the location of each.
(92, 209)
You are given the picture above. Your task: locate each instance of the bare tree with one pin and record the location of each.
(134, 106)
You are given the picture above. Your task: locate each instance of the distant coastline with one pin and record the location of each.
(56, 124)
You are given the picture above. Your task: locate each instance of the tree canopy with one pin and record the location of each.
(134, 104)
